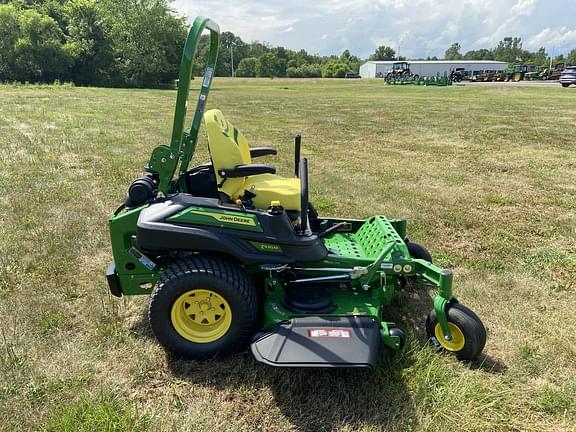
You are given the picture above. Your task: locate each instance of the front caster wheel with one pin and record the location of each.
(468, 332)
(203, 307)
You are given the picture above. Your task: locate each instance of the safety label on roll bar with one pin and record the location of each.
(207, 76)
(329, 333)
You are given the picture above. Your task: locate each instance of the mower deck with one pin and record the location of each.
(346, 341)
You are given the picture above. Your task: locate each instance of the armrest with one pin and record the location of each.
(247, 170)
(262, 151)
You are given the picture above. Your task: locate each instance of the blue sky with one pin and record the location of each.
(419, 28)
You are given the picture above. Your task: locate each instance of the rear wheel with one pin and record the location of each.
(468, 332)
(565, 85)
(203, 307)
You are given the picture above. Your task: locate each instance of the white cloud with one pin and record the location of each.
(420, 27)
(523, 7)
(553, 38)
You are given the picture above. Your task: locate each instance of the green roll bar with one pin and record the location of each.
(164, 159)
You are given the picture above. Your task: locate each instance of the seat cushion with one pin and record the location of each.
(271, 187)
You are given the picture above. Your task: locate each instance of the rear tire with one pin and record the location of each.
(220, 322)
(565, 85)
(468, 332)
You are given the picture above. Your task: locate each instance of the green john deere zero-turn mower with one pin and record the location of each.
(234, 254)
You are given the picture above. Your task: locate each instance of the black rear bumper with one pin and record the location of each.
(113, 280)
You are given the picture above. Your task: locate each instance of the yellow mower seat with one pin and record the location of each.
(228, 149)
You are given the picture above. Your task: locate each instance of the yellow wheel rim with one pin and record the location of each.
(457, 342)
(201, 316)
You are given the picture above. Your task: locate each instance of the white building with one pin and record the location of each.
(378, 69)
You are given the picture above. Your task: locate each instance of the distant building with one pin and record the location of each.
(378, 69)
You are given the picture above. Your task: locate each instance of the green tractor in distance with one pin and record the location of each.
(233, 255)
(518, 72)
(552, 73)
(535, 73)
(400, 72)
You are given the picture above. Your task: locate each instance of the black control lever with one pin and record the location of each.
(297, 142)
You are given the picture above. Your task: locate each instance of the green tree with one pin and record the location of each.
(335, 69)
(539, 57)
(248, 67)
(383, 52)
(351, 60)
(347, 57)
(510, 50)
(89, 43)
(571, 58)
(266, 65)
(39, 52)
(453, 53)
(293, 72)
(257, 49)
(230, 45)
(311, 71)
(305, 71)
(9, 33)
(481, 54)
(146, 39)
(282, 57)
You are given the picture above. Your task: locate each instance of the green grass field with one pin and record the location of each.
(485, 176)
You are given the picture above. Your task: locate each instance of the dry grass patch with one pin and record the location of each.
(483, 174)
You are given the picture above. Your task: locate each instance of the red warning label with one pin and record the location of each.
(329, 333)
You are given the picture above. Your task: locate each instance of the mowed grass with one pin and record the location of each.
(484, 175)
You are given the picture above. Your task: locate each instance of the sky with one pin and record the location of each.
(415, 28)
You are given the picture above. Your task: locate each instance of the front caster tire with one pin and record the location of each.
(203, 307)
(468, 332)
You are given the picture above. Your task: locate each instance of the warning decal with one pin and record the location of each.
(329, 333)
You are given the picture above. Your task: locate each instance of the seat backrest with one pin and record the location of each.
(228, 148)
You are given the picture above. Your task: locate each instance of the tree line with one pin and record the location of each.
(138, 43)
(258, 59)
(125, 43)
(509, 50)
(132, 43)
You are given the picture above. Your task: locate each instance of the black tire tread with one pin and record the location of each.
(469, 323)
(418, 251)
(222, 268)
